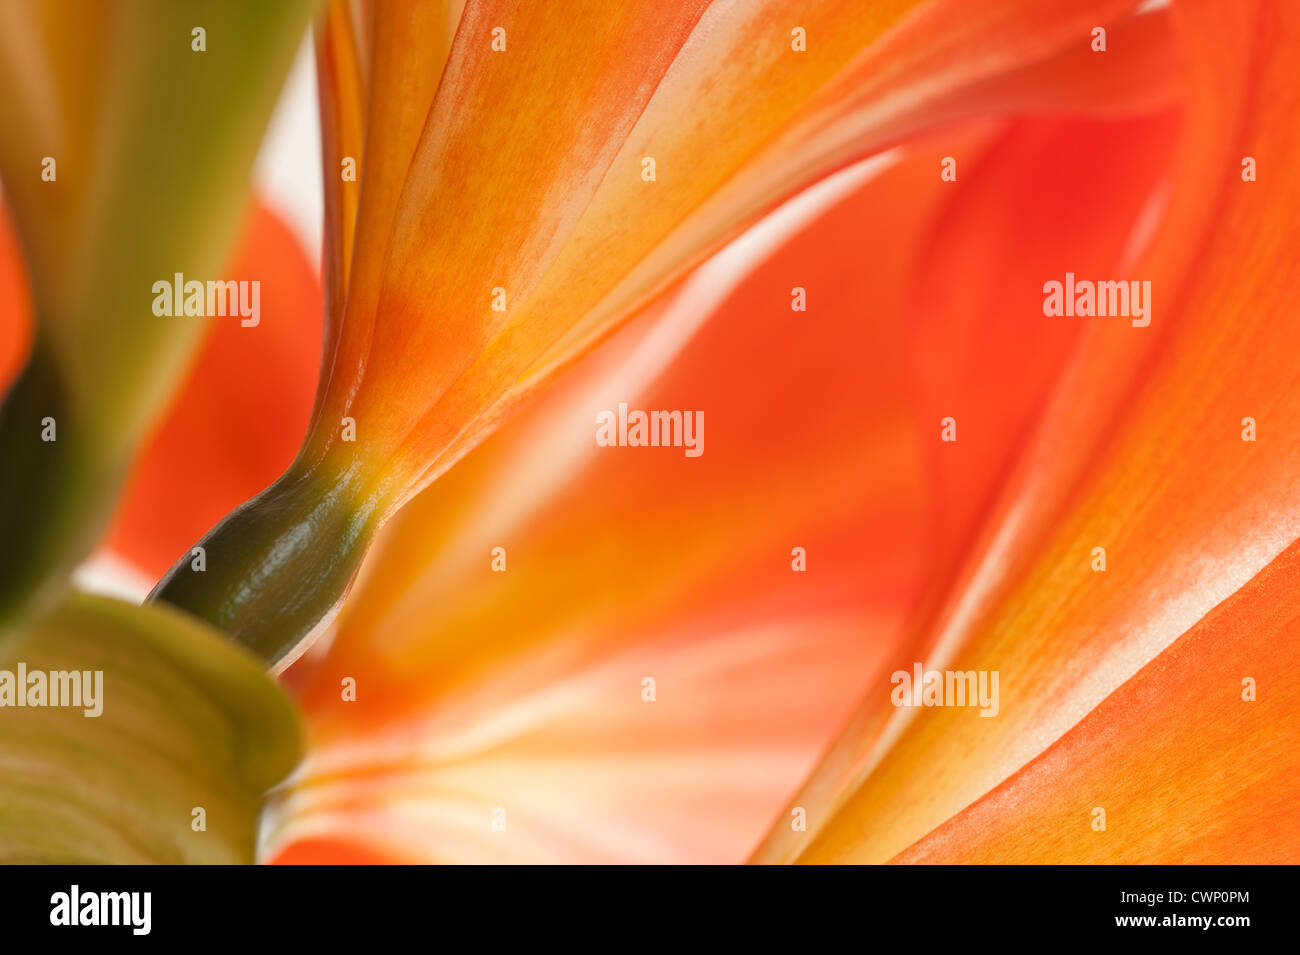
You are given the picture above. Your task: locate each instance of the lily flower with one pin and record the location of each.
(500, 716)
(561, 651)
(532, 193)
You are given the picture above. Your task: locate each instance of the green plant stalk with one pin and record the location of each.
(276, 568)
(51, 505)
(160, 189)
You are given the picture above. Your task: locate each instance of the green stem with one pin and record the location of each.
(277, 567)
(55, 490)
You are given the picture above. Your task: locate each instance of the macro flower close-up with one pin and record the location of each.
(706, 431)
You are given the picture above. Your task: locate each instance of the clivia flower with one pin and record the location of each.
(516, 203)
(839, 252)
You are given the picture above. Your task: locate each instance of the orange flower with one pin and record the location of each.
(559, 174)
(562, 652)
(518, 698)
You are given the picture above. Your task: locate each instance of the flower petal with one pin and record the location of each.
(15, 305)
(627, 562)
(378, 68)
(1186, 509)
(1191, 763)
(471, 676)
(340, 88)
(529, 225)
(1047, 193)
(574, 267)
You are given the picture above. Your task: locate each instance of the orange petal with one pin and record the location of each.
(15, 306)
(237, 419)
(571, 268)
(330, 852)
(483, 689)
(585, 769)
(340, 89)
(635, 565)
(1190, 762)
(1187, 510)
(378, 67)
(1047, 194)
(529, 226)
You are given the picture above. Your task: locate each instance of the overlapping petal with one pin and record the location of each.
(1187, 510)
(378, 68)
(649, 676)
(523, 690)
(474, 679)
(1047, 195)
(1193, 760)
(569, 169)
(15, 305)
